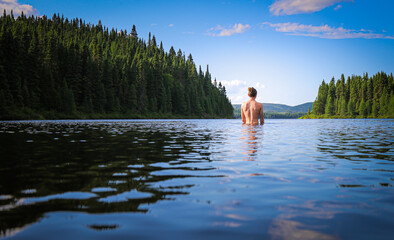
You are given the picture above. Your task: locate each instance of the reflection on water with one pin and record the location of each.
(288, 179)
(285, 229)
(250, 140)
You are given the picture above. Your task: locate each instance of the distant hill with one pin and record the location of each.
(282, 108)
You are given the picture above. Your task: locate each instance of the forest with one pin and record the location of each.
(357, 97)
(59, 68)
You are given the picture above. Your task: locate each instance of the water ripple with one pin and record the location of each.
(284, 179)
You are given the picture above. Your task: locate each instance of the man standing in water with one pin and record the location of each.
(251, 109)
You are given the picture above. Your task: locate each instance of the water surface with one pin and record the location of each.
(288, 179)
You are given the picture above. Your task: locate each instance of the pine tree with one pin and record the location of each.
(357, 97)
(72, 67)
(391, 106)
(384, 102)
(134, 32)
(351, 108)
(374, 110)
(330, 108)
(362, 109)
(343, 105)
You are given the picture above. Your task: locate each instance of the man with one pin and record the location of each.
(251, 110)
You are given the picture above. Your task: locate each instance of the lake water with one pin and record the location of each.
(203, 179)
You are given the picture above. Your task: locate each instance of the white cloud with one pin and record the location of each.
(171, 25)
(233, 83)
(237, 90)
(17, 8)
(337, 7)
(324, 31)
(290, 7)
(220, 31)
(258, 85)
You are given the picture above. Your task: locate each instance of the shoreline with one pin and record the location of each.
(312, 116)
(29, 114)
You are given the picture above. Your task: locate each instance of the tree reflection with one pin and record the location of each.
(94, 167)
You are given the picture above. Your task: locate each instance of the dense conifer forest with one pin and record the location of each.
(61, 68)
(357, 97)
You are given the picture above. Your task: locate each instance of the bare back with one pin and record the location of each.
(250, 111)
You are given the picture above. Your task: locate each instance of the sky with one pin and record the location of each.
(283, 48)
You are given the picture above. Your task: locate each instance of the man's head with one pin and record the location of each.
(252, 92)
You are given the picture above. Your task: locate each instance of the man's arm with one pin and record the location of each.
(261, 115)
(243, 113)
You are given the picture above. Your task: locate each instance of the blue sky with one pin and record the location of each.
(284, 48)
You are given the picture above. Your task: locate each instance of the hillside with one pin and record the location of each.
(282, 108)
(273, 110)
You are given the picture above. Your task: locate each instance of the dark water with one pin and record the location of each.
(204, 179)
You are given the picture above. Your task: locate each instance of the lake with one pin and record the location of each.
(197, 179)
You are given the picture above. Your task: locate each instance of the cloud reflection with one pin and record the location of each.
(286, 229)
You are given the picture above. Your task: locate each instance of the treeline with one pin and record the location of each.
(60, 68)
(357, 97)
(283, 115)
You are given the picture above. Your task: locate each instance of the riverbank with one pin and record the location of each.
(29, 114)
(325, 116)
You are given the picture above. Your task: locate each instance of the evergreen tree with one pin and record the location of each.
(330, 108)
(320, 103)
(357, 97)
(343, 106)
(351, 108)
(67, 66)
(362, 109)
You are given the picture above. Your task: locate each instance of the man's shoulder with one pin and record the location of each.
(259, 104)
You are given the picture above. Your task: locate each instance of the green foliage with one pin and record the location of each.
(60, 68)
(358, 97)
(319, 105)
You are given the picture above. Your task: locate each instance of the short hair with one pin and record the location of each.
(252, 92)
